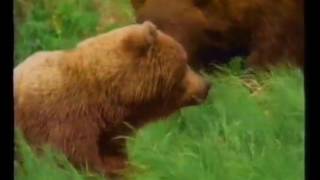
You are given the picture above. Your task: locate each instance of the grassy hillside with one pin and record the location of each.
(250, 128)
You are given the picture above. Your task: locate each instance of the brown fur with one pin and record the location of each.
(80, 100)
(268, 31)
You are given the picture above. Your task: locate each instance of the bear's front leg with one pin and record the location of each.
(80, 145)
(113, 152)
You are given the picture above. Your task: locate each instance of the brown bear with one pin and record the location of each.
(267, 32)
(80, 100)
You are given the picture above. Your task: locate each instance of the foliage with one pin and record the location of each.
(60, 24)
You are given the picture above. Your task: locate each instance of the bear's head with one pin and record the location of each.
(146, 71)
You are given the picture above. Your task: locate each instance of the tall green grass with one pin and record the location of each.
(236, 134)
(60, 24)
(50, 165)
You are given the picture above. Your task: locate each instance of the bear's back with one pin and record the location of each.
(39, 74)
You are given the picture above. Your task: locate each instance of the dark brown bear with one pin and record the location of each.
(212, 31)
(80, 100)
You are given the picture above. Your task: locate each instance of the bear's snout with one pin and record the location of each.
(197, 88)
(203, 94)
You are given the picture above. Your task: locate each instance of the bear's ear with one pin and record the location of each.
(139, 42)
(150, 31)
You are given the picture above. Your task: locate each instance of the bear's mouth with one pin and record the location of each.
(198, 100)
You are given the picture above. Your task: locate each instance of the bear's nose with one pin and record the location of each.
(207, 88)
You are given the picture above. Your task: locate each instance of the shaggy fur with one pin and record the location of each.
(80, 100)
(267, 31)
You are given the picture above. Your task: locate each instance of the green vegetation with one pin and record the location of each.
(60, 24)
(250, 128)
(52, 165)
(235, 135)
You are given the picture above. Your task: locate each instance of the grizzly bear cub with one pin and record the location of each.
(80, 100)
